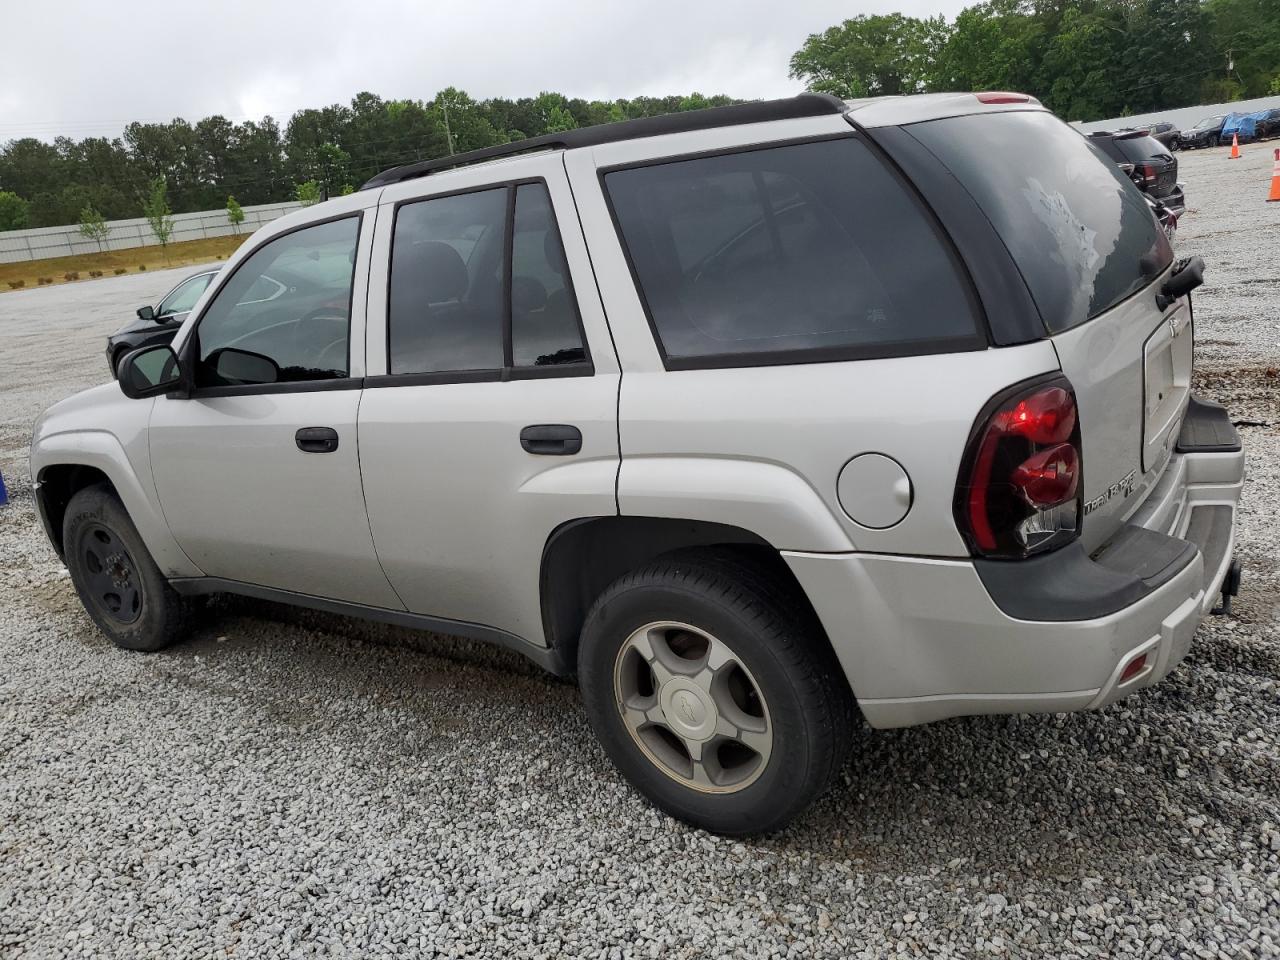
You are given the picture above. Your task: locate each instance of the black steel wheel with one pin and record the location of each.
(122, 589)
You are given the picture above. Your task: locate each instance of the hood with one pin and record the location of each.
(138, 325)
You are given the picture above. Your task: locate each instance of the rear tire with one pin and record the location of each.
(122, 589)
(715, 692)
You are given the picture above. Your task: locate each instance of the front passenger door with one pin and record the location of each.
(257, 472)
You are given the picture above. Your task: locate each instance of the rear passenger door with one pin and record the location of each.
(489, 416)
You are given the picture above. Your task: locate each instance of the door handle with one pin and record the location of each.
(551, 439)
(316, 439)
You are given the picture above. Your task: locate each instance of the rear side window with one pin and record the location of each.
(479, 284)
(1081, 234)
(446, 307)
(805, 252)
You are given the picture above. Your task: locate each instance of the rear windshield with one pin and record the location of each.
(1081, 234)
(797, 253)
(1137, 149)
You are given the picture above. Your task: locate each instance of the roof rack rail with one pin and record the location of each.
(760, 111)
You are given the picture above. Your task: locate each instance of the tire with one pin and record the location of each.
(119, 584)
(786, 694)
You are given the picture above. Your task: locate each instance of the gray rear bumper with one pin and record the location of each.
(921, 639)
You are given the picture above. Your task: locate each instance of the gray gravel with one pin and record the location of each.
(295, 784)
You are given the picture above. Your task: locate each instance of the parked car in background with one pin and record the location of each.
(1268, 124)
(1166, 132)
(1206, 133)
(752, 419)
(1163, 130)
(1239, 126)
(158, 324)
(1148, 163)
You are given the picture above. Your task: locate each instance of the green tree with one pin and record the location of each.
(871, 55)
(13, 211)
(155, 207)
(234, 214)
(93, 226)
(307, 193)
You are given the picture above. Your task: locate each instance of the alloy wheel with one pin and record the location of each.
(693, 707)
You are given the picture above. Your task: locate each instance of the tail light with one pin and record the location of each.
(1144, 173)
(1020, 489)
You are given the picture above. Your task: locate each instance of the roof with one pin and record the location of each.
(760, 111)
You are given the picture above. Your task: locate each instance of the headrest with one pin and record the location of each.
(436, 269)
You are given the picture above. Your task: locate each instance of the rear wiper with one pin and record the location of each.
(1188, 275)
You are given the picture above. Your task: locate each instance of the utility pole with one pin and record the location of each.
(444, 104)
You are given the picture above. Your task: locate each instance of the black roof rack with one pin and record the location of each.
(760, 111)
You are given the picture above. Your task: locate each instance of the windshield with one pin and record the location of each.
(1080, 233)
(1208, 122)
(184, 296)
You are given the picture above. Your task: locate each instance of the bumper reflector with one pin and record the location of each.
(1133, 668)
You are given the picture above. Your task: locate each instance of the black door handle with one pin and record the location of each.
(551, 439)
(316, 439)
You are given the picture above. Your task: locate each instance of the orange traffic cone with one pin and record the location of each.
(1235, 147)
(1275, 181)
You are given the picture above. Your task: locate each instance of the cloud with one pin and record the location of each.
(86, 70)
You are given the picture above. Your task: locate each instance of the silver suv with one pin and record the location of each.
(754, 418)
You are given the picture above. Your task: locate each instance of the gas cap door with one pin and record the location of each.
(874, 490)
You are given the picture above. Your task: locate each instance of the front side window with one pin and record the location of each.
(184, 296)
(468, 268)
(301, 330)
(802, 252)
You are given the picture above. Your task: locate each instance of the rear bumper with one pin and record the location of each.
(921, 639)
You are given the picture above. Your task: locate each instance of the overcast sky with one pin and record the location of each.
(86, 69)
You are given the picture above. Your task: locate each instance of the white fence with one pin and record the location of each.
(1184, 117)
(44, 242)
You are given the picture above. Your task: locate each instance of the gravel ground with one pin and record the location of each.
(295, 784)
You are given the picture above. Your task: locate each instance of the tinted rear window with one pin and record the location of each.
(1137, 149)
(1081, 234)
(804, 252)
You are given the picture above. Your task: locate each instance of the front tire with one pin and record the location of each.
(714, 691)
(122, 589)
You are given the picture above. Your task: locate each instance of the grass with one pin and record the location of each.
(130, 261)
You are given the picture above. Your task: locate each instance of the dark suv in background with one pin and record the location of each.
(1150, 164)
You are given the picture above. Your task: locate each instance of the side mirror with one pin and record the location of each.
(149, 371)
(146, 313)
(235, 367)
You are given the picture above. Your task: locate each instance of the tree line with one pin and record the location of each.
(1084, 59)
(319, 152)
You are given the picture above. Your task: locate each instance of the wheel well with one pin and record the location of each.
(582, 557)
(58, 484)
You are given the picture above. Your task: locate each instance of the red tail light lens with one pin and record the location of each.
(1048, 478)
(1019, 490)
(999, 96)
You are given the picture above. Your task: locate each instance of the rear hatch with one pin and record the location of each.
(1153, 165)
(1092, 256)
